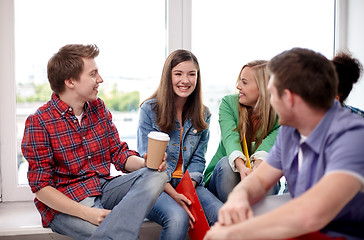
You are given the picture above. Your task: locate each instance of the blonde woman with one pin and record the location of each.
(247, 113)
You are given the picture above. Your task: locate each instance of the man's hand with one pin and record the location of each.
(163, 165)
(235, 210)
(217, 232)
(96, 215)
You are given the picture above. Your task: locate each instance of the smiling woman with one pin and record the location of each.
(184, 77)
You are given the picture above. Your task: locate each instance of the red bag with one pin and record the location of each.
(201, 225)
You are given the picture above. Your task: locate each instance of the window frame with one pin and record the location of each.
(177, 19)
(178, 33)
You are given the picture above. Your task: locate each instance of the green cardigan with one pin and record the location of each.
(230, 139)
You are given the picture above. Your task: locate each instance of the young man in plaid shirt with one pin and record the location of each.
(70, 143)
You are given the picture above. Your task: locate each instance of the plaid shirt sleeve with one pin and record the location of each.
(38, 152)
(119, 149)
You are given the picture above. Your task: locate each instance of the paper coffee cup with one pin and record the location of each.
(157, 145)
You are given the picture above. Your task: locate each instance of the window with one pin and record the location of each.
(134, 37)
(232, 32)
(132, 43)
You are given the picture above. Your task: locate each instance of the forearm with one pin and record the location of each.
(170, 190)
(307, 213)
(251, 189)
(60, 202)
(134, 163)
(264, 228)
(273, 225)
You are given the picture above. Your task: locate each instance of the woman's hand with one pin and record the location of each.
(184, 202)
(256, 164)
(181, 199)
(243, 170)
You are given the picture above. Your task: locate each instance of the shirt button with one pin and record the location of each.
(70, 109)
(89, 157)
(195, 131)
(184, 148)
(83, 138)
(74, 121)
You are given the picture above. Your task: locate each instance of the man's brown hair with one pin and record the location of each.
(306, 73)
(68, 63)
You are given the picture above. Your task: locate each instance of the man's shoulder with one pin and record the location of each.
(344, 119)
(42, 110)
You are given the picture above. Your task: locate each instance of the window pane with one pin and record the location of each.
(131, 38)
(232, 32)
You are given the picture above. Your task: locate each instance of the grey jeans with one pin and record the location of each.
(129, 196)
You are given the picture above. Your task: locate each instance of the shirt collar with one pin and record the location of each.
(316, 139)
(62, 107)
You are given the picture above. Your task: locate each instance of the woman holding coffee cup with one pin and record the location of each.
(176, 108)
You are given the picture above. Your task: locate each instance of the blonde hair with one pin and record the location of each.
(256, 122)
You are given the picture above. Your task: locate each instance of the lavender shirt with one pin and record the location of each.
(335, 145)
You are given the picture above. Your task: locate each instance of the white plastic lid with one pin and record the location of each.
(158, 136)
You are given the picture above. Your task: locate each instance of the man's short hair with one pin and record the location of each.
(306, 73)
(68, 63)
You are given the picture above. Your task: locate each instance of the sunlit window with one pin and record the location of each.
(227, 34)
(130, 35)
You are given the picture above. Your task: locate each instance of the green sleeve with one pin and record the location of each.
(228, 121)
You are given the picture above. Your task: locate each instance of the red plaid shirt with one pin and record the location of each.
(69, 156)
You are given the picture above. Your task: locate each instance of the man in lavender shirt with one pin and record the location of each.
(320, 151)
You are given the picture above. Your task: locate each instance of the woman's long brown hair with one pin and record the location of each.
(165, 96)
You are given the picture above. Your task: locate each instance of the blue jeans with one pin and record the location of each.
(129, 196)
(174, 219)
(224, 179)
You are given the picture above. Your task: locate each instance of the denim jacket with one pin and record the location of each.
(194, 143)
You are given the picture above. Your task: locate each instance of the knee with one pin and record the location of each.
(223, 165)
(155, 177)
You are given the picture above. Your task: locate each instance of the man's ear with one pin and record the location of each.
(289, 97)
(69, 83)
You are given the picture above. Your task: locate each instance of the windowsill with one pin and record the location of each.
(22, 219)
